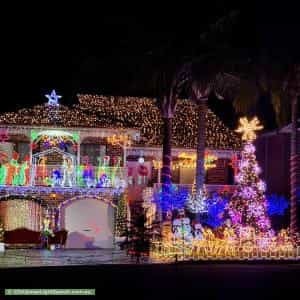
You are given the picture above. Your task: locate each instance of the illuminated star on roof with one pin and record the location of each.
(53, 98)
(248, 128)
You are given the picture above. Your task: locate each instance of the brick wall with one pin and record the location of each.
(110, 150)
(272, 153)
(219, 174)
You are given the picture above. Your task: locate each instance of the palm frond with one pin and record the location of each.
(246, 98)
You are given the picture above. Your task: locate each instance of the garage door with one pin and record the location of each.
(90, 224)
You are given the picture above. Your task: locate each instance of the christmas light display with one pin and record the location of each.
(48, 190)
(248, 206)
(46, 230)
(234, 163)
(248, 128)
(68, 171)
(21, 213)
(216, 209)
(207, 244)
(130, 112)
(189, 161)
(172, 201)
(122, 140)
(277, 205)
(157, 164)
(14, 173)
(121, 217)
(53, 99)
(196, 202)
(182, 229)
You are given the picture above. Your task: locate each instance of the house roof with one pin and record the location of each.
(96, 111)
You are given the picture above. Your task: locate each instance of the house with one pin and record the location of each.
(70, 164)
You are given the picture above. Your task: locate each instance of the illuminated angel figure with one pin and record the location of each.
(248, 128)
(24, 171)
(3, 174)
(68, 169)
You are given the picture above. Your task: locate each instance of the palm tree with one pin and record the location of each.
(292, 87)
(170, 88)
(205, 79)
(199, 92)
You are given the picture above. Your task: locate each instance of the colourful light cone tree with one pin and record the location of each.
(248, 205)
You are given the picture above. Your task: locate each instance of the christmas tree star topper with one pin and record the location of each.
(53, 98)
(248, 128)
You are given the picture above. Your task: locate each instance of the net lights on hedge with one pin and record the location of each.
(96, 111)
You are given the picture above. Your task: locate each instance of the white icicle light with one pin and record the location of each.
(197, 203)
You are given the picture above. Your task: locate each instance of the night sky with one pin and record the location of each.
(87, 53)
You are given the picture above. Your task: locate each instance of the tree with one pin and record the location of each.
(122, 213)
(170, 86)
(204, 79)
(196, 202)
(292, 87)
(282, 86)
(175, 200)
(248, 205)
(139, 236)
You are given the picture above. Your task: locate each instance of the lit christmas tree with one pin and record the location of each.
(248, 205)
(122, 215)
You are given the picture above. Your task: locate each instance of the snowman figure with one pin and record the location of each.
(182, 229)
(198, 233)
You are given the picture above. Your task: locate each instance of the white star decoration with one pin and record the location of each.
(53, 98)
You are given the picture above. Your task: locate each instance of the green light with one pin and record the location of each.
(34, 135)
(76, 137)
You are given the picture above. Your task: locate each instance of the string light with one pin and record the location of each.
(248, 205)
(248, 128)
(197, 202)
(131, 112)
(121, 218)
(157, 164)
(121, 139)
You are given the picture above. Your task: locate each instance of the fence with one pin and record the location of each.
(209, 187)
(170, 252)
(57, 175)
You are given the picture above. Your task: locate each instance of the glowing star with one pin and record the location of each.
(53, 98)
(248, 128)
